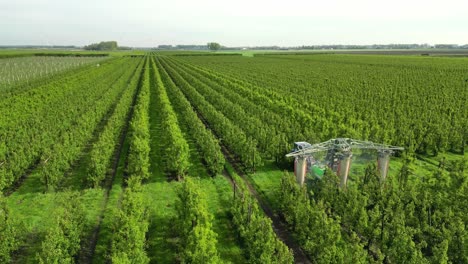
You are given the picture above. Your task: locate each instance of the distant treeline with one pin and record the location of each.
(320, 47)
(414, 52)
(387, 46)
(207, 54)
(72, 54)
(182, 47)
(106, 45)
(103, 45)
(290, 53)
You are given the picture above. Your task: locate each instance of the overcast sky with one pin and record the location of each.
(148, 23)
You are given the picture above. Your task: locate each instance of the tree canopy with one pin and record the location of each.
(103, 45)
(214, 46)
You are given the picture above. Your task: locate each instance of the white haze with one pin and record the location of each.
(147, 23)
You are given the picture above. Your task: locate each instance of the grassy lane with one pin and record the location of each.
(92, 247)
(78, 173)
(114, 188)
(162, 195)
(33, 183)
(218, 190)
(158, 191)
(219, 193)
(46, 114)
(36, 211)
(111, 205)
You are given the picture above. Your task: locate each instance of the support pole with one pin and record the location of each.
(330, 158)
(300, 169)
(383, 162)
(344, 167)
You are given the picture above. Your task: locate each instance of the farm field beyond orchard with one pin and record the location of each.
(180, 158)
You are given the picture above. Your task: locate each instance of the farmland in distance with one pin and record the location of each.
(175, 158)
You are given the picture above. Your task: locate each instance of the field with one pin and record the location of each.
(180, 158)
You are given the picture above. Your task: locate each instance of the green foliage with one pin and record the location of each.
(403, 108)
(176, 154)
(255, 229)
(129, 236)
(256, 109)
(399, 221)
(22, 72)
(209, 106)
(60, 99)
(9, 232)
(62, 241)
(138, 156)
(59, 157)
(213, 46)
(105, 146)
(103, 45)
(47, 127)
(194, 227)
(201, 246)
(206, 141)
(319, 234)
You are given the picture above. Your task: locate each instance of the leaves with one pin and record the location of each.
(176, 155)
(255, 229)
(62, 241)
(104, 148)
(9, 232)
(206, 141)
(197, 240)
(130, 228)
(138, 156)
